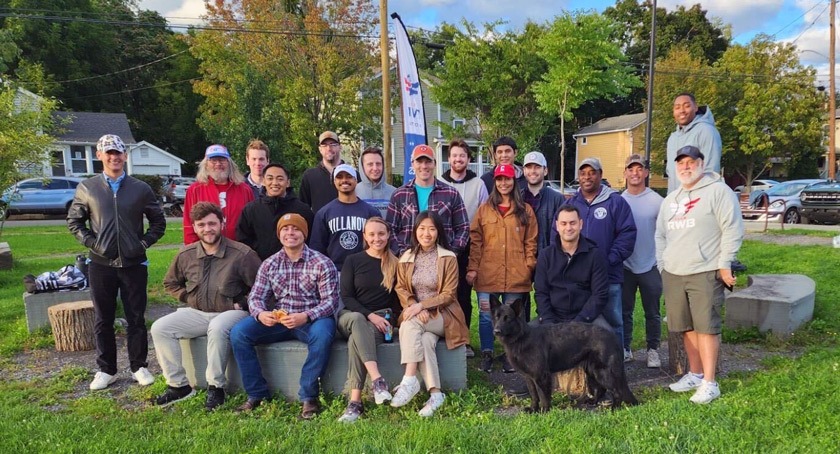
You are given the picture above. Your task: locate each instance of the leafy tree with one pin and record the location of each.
(430, 47)
(583, 64)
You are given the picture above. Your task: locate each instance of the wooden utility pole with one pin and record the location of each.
(386, 89)
(832, 90)
(651, 62)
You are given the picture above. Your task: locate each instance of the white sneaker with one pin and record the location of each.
(688, 382)
(434, 402)
(102, 380)
(405, 392)
(628, 355)
(143, 377)
(653, 360)
(707, 392)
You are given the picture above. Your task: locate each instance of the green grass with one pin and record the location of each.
(804, 232)
(789, 407)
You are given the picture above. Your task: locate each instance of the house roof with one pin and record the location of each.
(88, 127)
(159, 149)
(613, 124)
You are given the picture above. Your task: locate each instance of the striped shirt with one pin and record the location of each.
(308, 284)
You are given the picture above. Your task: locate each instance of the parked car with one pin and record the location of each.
(555, 184)
(758, 185)
(180, 185)
(39, 196)
(821, 202)
(783, 200)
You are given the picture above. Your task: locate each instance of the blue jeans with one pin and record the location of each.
(248, 333)
(485, 320)
(612, 312)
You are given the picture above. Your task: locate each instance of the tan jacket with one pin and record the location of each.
(446, 302)
(502, 252)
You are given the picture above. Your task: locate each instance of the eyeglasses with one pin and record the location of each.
(333, 145)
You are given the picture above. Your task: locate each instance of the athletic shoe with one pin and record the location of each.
(707, 392)
(486, 362)
(688, 382)
(173, 395)
(143, 376)
(215, 398)
(470, 351)
(380, 391)
(434, 402)
(352, 413)
(506, 366)
(405, 392)
(628, 355)
(102, 380)
(653, 360)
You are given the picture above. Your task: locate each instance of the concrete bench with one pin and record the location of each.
(779, 303)
(36, 305)
(282, 361)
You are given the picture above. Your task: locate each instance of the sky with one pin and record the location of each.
(804, 22)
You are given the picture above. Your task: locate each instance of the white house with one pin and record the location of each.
(147, 159)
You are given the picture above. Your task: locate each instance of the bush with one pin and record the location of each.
(154, 181)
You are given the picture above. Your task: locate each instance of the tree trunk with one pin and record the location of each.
(677, 359)
(72, 326)
(572, 383)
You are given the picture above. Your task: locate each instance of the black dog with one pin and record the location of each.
(539, 351)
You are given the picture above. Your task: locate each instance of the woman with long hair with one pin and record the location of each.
(427, 286)
(503, 255)
(367, 289)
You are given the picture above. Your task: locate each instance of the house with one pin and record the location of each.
(612, 140)
(147, 159)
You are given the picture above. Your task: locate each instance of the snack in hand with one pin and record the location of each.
(279, 313)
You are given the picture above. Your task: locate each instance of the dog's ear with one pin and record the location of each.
(494, 305)
(517, 307)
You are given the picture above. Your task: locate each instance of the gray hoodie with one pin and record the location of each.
(701, 133)
(699, 229)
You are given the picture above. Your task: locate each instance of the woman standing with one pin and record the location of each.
(367, 289)
(503, 254)
(427, 285)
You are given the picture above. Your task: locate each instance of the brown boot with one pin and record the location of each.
(310, 409)
(249, 405)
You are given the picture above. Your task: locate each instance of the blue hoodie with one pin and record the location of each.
(608, 221)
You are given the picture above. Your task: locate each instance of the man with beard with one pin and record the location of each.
(212, 277)
(316, 186)
(259, 218)
(375, 191)
(698, 234)
(504, 152)
(218, 181)
(695, 126)
(339, 226)
(256, 157)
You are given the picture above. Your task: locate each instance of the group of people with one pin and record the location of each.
(359, 259)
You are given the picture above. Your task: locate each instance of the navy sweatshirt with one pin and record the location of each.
(338, 229)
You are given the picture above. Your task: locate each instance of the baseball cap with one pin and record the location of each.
(295, 220)
(328, 135)
(691, 151)
(345, 168)
(216, 151)
(535, 157)
(504, 170)
(634, 159)
(423, 151)
(595, 163)
(110, 142)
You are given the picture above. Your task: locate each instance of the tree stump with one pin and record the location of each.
(677, 359)
(72, 326)
(572, 383)
(5, 256)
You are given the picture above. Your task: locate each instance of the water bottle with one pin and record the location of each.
(389, 331)
(81, 264)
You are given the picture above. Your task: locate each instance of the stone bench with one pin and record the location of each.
(36, 305)
(779, 303)
(282, 361)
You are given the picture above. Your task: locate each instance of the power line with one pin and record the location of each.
(797, 19)
(123, 70)
(811, 25)
(131, 90)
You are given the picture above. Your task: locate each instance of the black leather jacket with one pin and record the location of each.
(111, 225)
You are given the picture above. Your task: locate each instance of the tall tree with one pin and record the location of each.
(430, 46)
(583, 64)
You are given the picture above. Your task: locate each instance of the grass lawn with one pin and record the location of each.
(791, 406)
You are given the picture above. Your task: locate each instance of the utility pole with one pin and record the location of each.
(832, 89)
(386, 89)
(651, 61)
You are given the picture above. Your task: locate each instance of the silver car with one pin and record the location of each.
(783, 201)
(51, 195)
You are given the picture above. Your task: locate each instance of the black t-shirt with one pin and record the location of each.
(361, 285)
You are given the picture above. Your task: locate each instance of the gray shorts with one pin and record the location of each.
(693, 302)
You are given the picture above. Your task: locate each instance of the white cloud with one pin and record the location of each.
(744, 16)
(180, 12)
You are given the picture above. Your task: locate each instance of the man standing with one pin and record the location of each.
(106, 216)
(301, 286)
(425, 192)
(218, 181)
(258, 222)
(375, 191)
(212, 277)
(698, 234)
(256, 157)
(544, 200)
(473, 193)
(695, 126)
(316, 186)
(339, 226)
(504, 152)
(608, 222)
(640, 268)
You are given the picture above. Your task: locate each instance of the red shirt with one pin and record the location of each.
(235, 197)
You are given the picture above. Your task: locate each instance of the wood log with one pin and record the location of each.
(677, 359)
(572, 383)
(72, 326)
(5, 256)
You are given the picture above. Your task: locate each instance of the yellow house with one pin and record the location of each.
(612, 140)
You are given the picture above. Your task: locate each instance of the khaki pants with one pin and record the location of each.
(362, 339)
(189, 323)
(417, 345)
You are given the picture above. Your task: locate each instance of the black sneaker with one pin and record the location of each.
(486, 362)
(506, 367)
(215, 397)
(173, 395)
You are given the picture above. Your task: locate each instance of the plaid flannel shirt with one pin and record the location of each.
(443, 200)
(308, 285)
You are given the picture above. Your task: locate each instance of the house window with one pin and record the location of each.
(458, 123)
(78, 159)
(57, 163)
(583, 141)
(144, 152)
